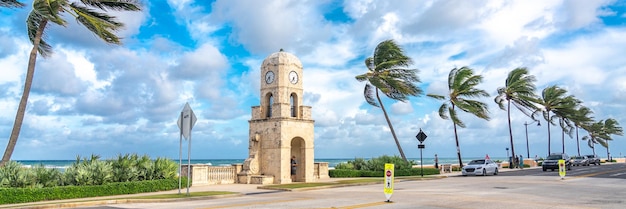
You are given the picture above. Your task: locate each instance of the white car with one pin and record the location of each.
(480, 167)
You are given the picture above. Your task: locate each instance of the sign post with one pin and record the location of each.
(421, 136)
(388, 181)
(186, 121)
(562, 168)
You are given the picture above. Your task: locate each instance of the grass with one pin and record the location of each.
(184, 195)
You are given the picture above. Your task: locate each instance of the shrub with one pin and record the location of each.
(12, 174)
(124, 168)
(46, 177)
(347, 165)
(375, 164)
(89, 171)
(347, 173)
(164, 169)
(343, 173)
(22, 195)
(378, 164)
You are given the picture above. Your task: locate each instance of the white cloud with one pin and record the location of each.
(401, 108)
(205, 62)
(579, 14)
(106, 99)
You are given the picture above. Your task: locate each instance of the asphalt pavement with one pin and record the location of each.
(240, 190)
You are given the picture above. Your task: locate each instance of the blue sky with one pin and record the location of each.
(93, 98)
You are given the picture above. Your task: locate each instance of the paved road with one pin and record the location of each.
(614, 170)
(584, 187)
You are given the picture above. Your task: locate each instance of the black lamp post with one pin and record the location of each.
(526, 125)
(507, 152)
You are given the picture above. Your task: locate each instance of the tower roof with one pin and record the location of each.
(282, 57)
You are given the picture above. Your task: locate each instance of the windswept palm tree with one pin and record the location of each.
(388, 74)
(611, 127)
(11, 3)
(462, 87)
(595, 134)
(87, 14)
(554, 100)
(566, 118)
(582, 118)
(600, 133)
(519, 90)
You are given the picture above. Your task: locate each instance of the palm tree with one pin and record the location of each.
(461, 86)
(611, 127)
(595, 134)
(10, 3)
(44, 11)
(582, 117)
(553, 100)
(600, 133)
(566, 118)
(519, 89)
(388, 74)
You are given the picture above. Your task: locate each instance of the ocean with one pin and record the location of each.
(332, 162)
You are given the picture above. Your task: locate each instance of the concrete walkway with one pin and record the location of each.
(238, 189)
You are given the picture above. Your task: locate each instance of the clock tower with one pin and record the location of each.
(281, 127)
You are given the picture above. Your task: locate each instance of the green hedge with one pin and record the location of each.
(22, 195)
(345, 173)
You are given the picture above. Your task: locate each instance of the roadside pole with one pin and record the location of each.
(186, 121)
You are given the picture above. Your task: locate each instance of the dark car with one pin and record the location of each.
(552, 161)
(593, 159)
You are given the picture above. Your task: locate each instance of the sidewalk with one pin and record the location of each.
(239, 189)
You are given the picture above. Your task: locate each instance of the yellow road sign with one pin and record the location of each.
(388, 180)
(562, 168)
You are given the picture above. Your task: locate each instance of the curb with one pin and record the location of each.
(70, 204)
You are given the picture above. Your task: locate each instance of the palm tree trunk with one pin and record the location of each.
(593, 148)
(577, 141)
(393, 133)
(458, 148)
(456, 138)
(563, 140)
(549, 124)
(28, 82)
(508, 112)
(608, 154)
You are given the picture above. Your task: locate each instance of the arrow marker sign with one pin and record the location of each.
(186, 121)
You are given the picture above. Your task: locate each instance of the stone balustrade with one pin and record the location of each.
(202, 174)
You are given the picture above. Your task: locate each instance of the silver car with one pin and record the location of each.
(480, 167)
(580, 161)
(593, 159)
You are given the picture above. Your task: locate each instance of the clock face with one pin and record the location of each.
(293, 77)
(269, 77)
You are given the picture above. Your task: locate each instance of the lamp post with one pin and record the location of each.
(526, 125)
(507, 152)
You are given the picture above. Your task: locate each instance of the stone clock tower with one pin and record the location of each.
(281, 127)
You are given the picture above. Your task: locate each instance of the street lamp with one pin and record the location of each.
(507, 152)
(526, 125)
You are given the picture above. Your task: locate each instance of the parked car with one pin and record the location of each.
(480, 167)
(552, 161)
(580, 161)
(593, 159)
